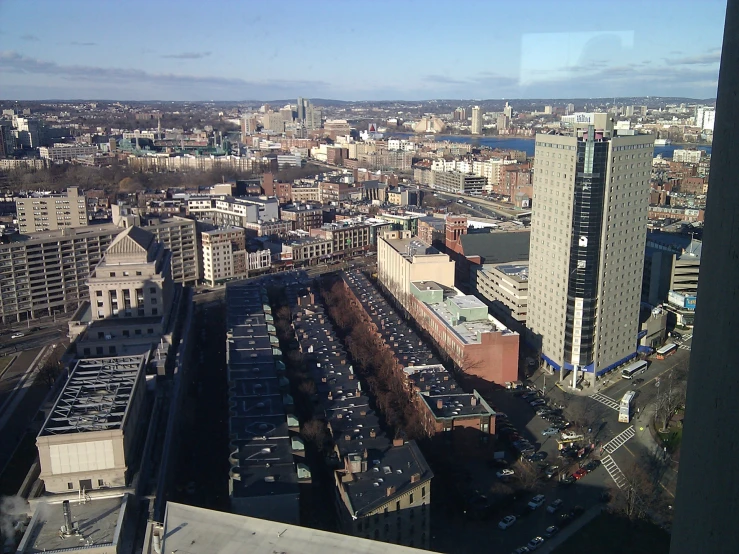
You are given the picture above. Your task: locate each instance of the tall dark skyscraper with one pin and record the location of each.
(588, 231)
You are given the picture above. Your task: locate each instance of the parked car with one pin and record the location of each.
(506, 522)
(504, 473)
(570, 435)
(521, 550)
(537, 501)
(527, 395)
(554, 506)
(551, 471)
(550, 432)
(537, 456)
(567, 480)
(541, 412)
(535, 543)
(17, 335)
(565, 520)
(592, 465)
(537, 402)
(551, 531)
(580, 473)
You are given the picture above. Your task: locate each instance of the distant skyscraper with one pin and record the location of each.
(508, 111)
(476, 120)
(301, 108)
(588, 231)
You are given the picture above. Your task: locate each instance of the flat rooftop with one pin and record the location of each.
(67, 233)
(517, 272)
(193, 530)
(452, 406)
(96, 396)
(468, 331)
(98, 520)
(413, 247)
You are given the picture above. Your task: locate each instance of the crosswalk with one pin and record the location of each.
(684, 347)
(619, 440)
(614, 471)
(603, 399)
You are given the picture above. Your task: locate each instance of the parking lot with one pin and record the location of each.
(481, 526)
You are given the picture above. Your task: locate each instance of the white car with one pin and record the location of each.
(570, 435)
(506, 522)
(17, 335)
(537, 501)
(535, 543)
(504, 473)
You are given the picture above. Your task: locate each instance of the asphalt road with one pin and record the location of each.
(47, 334)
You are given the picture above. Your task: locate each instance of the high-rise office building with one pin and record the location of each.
(508, 110)
(476, 120)
(591, 195)
(302, 103)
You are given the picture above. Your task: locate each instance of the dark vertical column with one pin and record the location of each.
(707, 508)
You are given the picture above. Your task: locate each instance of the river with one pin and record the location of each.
(527, 145)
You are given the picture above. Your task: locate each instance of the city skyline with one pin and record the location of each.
(378, 51)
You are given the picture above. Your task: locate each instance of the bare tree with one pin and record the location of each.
(670, 397)
(527, 475)
(50, 370)
(639, 497)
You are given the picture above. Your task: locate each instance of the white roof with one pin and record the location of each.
(200, 531)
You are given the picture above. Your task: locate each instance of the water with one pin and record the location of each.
(527, 144)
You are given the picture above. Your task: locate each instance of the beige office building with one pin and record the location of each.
(88, 439)
(52, 211)
(589, 224)
(505, 287)
(401, 258)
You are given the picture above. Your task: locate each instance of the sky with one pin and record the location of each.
(358, 50)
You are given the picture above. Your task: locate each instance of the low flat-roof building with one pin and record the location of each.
(97, 526)
(479, 345)
(200, 531)
(88, 439)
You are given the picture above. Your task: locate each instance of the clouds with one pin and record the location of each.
(123, 83)
(75, 43)
(29, 38)
(712, 56)
(188, 55)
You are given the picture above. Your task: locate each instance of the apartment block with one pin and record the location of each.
(588, 231)
(179, 235)
(383, 486)
(43, 273)
(52, 211)
(304, 217)
(236, 212)
(60, 152)
(348, 237)
(219, 262)
(459, 183)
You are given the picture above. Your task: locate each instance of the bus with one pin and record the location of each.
(667, 350)
(634, 369)
(624, 409)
